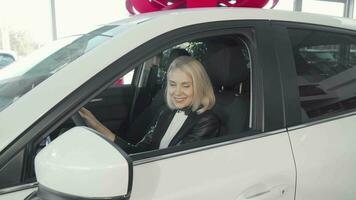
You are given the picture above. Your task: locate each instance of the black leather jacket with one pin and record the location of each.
(195, 128)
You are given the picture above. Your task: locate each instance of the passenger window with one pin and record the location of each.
(326, 69)
(231, 90)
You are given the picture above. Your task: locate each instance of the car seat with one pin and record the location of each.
(227, 68)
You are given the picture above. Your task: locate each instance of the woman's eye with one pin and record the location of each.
(186, 86)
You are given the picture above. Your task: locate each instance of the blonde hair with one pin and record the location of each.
(203, 93)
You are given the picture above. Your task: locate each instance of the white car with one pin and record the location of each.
(6, 58)
(285, 88)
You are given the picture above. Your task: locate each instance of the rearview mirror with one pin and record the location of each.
(82, 164)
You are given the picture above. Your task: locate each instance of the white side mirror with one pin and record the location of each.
(81, 163)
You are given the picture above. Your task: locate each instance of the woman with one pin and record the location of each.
(189, 97)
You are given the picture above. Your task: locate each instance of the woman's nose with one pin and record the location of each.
(177, 90)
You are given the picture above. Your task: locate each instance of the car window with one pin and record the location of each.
(326, 69)
(232, 99)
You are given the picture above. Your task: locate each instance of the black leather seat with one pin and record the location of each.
(227, 68)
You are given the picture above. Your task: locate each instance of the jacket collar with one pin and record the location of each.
(187, 110)
(184, 130)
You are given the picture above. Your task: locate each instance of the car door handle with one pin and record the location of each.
(258, 193)
(96, 100)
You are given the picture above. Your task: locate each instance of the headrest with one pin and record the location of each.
(175, 53)
(225, 63)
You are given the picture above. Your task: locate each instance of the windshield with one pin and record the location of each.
(22, 76)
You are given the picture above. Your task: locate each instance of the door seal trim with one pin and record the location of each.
(18, 188)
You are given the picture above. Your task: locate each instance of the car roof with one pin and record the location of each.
(223, 14)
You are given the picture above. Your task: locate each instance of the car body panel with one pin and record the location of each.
(235, 171)
(219, 14)
(325, 159)
(17, 195)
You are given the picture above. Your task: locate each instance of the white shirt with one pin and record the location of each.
(173, 128)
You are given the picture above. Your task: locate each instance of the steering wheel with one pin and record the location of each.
(78, 120)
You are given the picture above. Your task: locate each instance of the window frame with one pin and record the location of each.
(267, 112)
(289, 74)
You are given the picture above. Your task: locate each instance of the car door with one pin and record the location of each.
(19, 194)
(12, 184)
(320, 65)
(257, 167)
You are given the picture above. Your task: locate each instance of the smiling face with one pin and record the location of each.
(180, 88)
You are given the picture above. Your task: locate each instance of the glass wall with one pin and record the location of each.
(285, 5)
(80, 16)
(323, 7)
(26, 25)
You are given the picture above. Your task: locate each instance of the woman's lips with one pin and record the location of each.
(179, 99)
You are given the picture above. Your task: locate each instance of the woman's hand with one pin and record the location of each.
(89, 118)
(92, 122)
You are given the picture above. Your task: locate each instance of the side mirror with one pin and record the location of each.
(82, 164)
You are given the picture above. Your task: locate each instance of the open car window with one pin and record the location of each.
(135, 114)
